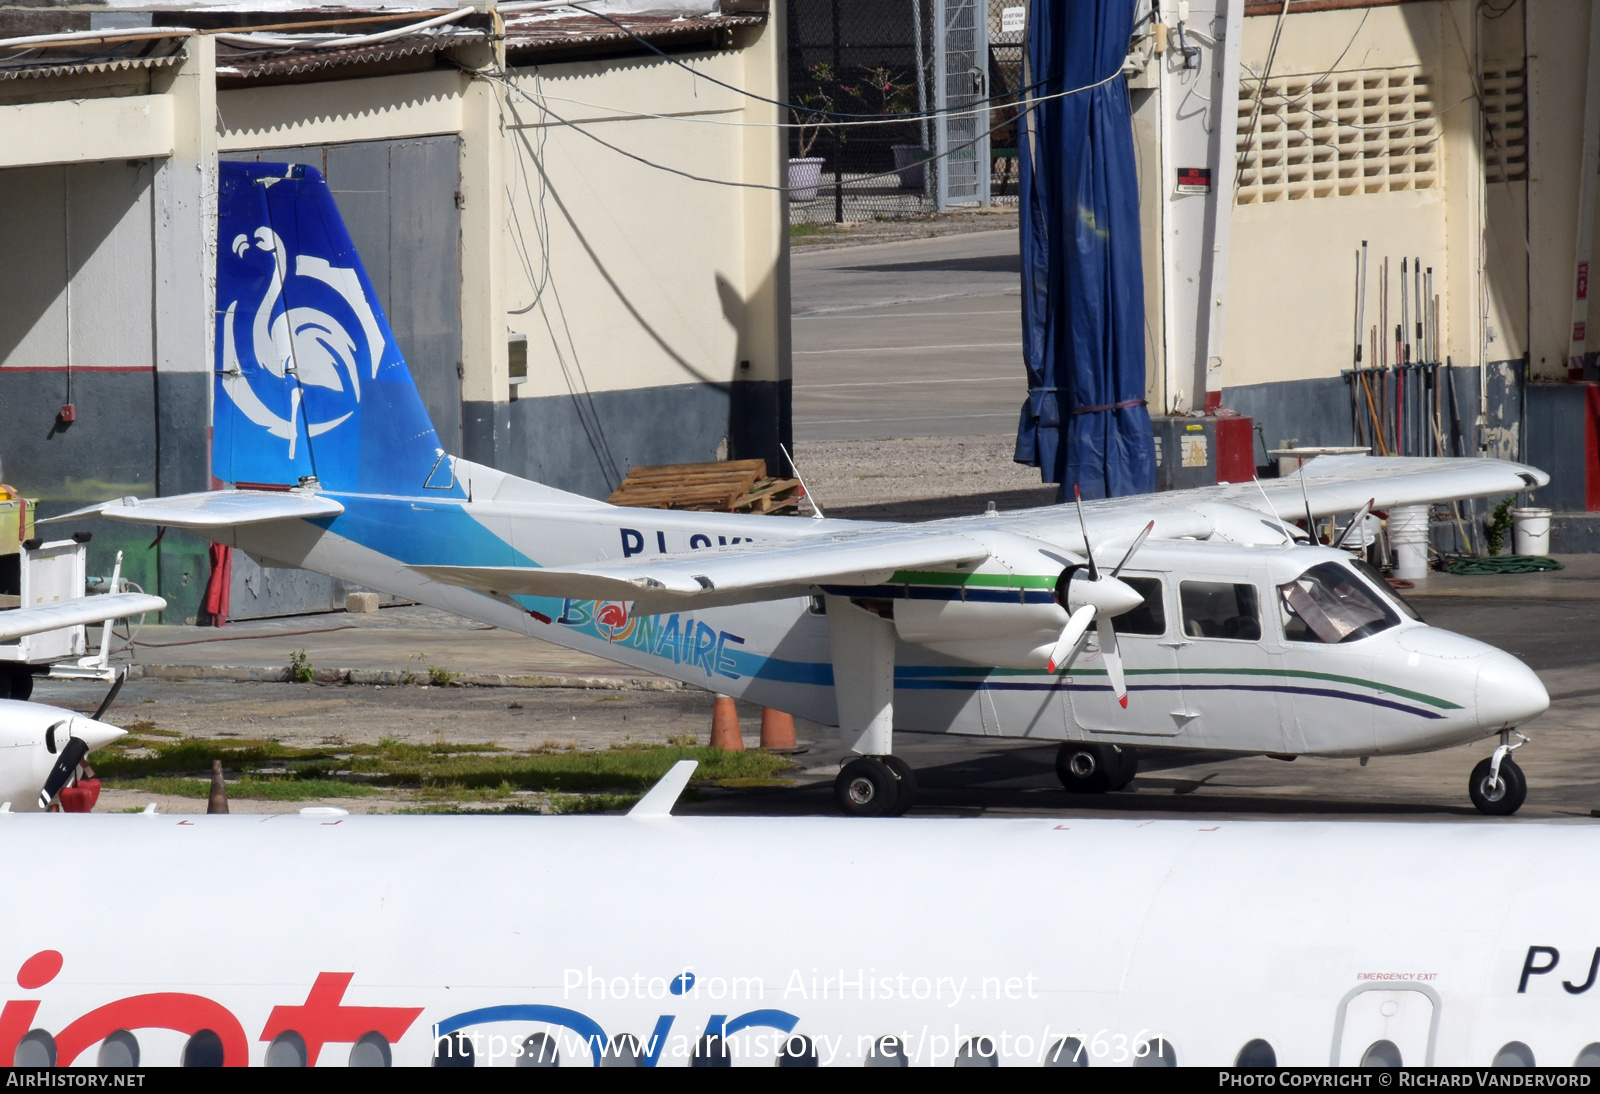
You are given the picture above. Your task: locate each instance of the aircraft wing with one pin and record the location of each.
(731, 575)
(211, 510)
(1343, 484)
(20, 622)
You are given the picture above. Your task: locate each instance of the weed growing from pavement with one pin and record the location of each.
(444, 774)
(300, 670)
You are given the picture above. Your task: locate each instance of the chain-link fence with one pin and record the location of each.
(944, 58)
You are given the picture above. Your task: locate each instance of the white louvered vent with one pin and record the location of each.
(1505, 116)
(1339, 134)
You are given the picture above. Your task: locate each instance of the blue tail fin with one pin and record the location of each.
(310, 381)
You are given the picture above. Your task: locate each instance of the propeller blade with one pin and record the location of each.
(72, 754)
(1136, 545)
(1094, 571)
(1355, 520)
(1077, 626)
(112, 694)
(1113, 659)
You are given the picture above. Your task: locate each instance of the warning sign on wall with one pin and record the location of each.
(1194, 180)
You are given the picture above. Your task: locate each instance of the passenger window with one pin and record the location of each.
(1256, 1053)
(797, 1051)
(36, 1049)
(1513, 1054)
(1589, 1057)
(204, 1049)
(539, 1050)
(886, 1052)
(288, 1049)
(120, 1049)
(711, 1051)
(371, 1051)
(1156, 1053)
(1221, 609)
(1068, 1052)
(978, 1052)
(1149, 617)
(1328, 603)
(452, 1050)
(623, 1050)
(1382, 1054)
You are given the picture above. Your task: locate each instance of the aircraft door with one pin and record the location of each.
(1378, 1027)
(1148, 640)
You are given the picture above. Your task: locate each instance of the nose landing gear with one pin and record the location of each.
(1497, 786)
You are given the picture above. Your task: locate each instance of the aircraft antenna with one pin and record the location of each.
(816, 510)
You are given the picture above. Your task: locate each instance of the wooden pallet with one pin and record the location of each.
(728, 486)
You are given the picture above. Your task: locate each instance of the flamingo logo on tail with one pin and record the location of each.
(297, 345)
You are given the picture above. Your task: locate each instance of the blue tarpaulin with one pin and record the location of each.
(1085, 422)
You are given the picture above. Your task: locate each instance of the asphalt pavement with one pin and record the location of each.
(912, 339)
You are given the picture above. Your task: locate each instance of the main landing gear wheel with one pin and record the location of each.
(1498, 797)
(1095, 769)
(875, 786)
(907, 779)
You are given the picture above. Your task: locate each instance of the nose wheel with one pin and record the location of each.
(1497, 786)
(875, 786)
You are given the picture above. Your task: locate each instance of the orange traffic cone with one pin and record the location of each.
(777, 730)
(725, 726)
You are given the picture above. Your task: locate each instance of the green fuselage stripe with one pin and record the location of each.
(1282, 674)
(997, 581)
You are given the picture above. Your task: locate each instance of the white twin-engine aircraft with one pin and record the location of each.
(645, 941)
(41, 746)
(1187, 620)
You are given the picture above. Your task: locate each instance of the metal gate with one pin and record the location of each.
(961, 64)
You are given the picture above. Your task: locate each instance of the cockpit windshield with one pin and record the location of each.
(1329, 603)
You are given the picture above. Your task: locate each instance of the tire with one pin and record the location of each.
(1086, 769)
(1128, 767)
(1502, 800)
(866, 787)
(907, 782)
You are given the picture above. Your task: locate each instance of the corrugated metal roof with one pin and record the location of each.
(74, 59)
(565, 32)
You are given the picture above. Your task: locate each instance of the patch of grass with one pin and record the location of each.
(633, 767)
(804, 231)
(156, 784)
(279, 790)
(300, 670)
(441, 677)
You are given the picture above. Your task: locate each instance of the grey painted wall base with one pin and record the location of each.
(587, 443)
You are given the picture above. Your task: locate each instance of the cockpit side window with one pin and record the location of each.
(1330, 604)
(1370, 572)
(1149, 617)
(1220, 609)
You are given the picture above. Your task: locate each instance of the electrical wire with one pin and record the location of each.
(1030, 105)
(1005, 99)
(342, 41)
(1261, 90)
(882, 119)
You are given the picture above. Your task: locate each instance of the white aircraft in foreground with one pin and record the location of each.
(649, 940)
(41, 746)
(1185, 620)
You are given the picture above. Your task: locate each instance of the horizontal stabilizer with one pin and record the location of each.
(21, 622)
(664, 794)
(213, 509)
(729, 575)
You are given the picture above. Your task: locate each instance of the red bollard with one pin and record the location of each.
(725, 726)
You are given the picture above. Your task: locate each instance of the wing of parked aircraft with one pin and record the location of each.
(968, 550)
(20, 622)
(211, 510)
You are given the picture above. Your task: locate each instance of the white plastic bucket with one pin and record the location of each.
(804, 177)
(1530, 531)
(1408, 531)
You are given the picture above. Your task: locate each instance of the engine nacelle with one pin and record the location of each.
(1002, 612)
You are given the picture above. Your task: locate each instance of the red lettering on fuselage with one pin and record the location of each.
(323, 1018)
